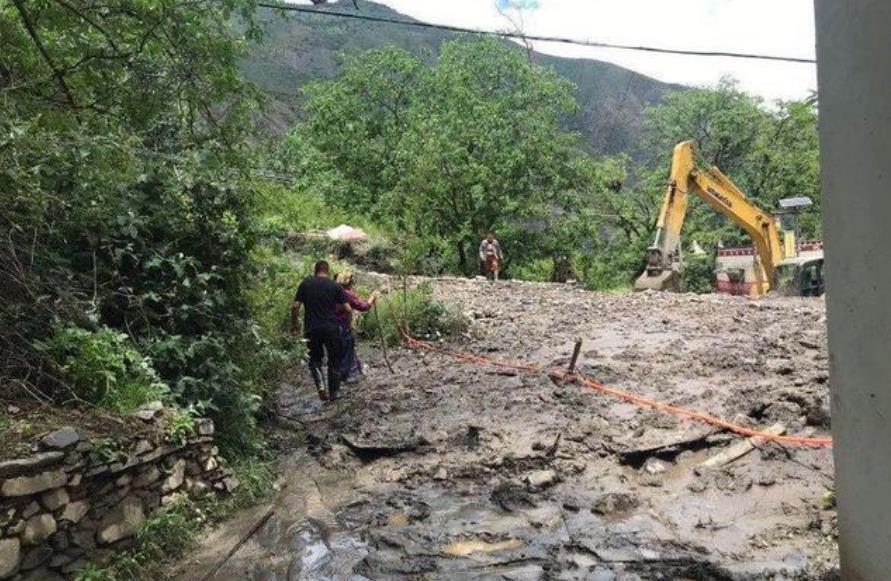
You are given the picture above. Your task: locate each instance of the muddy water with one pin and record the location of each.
(443, 471)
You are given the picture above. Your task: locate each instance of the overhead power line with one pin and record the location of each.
(517, 35)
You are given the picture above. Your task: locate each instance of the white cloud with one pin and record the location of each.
(781, 27)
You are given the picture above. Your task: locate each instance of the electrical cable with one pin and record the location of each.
(519, 36)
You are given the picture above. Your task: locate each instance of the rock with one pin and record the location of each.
(192, 468)
(75, 511)
(38, 529)
(572, 505)
(171, 499)
(441, 474)
(25, 485)
(74, 566)
(54, 499)
(231, 483)
(698, 485)
(123, 480)
(122, 522)
(767, 480)
(148, 412)
(210, 464)
(142, 447)
(200, 489)
(43, 574)
(175, 478)
(75, 480)
(30, 510)
(146, 477)
(61, 559)
(205, 427)
(541, 479)
(60, 541)
(10, 516)
(614, 502)
(36, 557)
(654, 480)
(61, 438)
(511, 496)
(84, 539)
(23, 465)
(10, 556)
(654, 466)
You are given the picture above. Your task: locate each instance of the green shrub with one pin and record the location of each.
(414, 309)
(539, 270)
(698, 274)
(181, 424)
(165, 534)
(102, 367)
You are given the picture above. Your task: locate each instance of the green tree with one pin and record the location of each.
(769, 152)
(358, 120)
(444, 152)
(123, 204)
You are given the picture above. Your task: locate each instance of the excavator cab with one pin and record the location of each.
(802, 277)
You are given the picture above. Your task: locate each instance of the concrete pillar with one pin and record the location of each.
(854, 71)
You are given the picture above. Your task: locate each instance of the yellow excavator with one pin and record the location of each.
(776, 265)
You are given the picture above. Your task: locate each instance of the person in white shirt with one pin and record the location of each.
(490, 256)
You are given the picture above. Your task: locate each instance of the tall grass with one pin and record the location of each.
(415, 310)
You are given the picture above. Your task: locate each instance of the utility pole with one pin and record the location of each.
(854, 70)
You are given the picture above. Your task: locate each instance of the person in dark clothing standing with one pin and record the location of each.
(320, 297)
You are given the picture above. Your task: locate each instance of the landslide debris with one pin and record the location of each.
(444, 470)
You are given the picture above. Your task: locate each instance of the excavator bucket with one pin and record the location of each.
(663, 280)
(659, 275)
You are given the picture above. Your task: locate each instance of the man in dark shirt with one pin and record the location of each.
(320, 296)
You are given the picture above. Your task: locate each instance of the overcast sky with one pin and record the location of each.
(780, 27)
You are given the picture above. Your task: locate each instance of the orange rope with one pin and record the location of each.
(622, 395)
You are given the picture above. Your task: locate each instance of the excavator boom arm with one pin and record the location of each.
(721, 194)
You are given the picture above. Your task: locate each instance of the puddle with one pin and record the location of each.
(465, 548)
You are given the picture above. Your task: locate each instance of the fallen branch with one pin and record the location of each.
(740, 449)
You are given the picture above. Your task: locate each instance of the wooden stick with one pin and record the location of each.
(740, 449)
(575, 356)
(380, 332)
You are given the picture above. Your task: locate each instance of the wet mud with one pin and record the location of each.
(449, 471)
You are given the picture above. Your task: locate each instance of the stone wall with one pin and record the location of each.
(75, 498)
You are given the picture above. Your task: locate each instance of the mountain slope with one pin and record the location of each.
(300, 48)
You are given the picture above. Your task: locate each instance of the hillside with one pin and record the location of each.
(300, 48)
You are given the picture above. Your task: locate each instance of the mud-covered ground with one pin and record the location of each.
(449, 471)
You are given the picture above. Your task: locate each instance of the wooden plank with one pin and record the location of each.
(740, 449)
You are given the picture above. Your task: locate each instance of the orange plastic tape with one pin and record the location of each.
(621, 394)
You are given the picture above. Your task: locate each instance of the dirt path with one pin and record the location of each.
(446, 471)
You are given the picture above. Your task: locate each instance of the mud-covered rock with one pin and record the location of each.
(615, 502)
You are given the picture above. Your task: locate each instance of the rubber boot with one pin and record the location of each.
(333, 383)
(318, 377)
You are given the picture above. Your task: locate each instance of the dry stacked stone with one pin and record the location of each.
(62, 507)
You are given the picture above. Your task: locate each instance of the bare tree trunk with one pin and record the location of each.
(462, 256)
